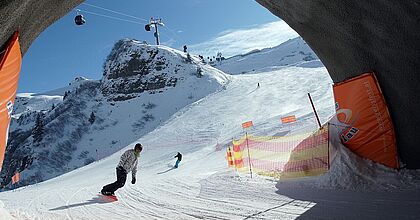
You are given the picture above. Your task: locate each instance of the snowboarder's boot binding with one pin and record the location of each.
(107, 193)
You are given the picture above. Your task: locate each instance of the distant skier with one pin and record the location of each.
(179, 156)
(185, 48)
(258, 85)
(128, 162)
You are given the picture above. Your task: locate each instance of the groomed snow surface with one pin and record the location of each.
(204, 188)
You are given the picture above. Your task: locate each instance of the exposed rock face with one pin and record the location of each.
(133, 68)
(349, 36)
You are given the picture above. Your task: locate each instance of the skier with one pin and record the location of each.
(185, 48)
(179, 156)
(128, 162)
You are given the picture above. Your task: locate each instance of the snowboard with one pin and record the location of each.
(109, 198)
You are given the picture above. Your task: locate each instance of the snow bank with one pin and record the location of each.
(4, 215)
(349, 171)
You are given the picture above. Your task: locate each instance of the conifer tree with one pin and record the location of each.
(92, 118)
(38, 130)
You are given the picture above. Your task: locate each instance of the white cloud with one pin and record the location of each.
(233, 42)
(170, 42)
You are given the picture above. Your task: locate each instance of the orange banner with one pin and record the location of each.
(247, 124)
(365, 123)
(10, 62)
(15, 178)
(288, 119)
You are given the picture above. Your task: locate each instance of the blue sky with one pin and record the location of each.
(65, 50)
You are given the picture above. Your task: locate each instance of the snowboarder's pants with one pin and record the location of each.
(121, 178)
(177, 163)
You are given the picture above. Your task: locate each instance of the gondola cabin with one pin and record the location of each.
(79, 20)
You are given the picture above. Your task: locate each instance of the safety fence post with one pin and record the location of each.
(313, 107)
(249, 156)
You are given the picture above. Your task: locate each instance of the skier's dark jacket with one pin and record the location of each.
(179, 156)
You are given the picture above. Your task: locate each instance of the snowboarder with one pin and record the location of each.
(128, 162)
(179, 156)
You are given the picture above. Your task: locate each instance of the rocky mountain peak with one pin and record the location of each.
(134, 67)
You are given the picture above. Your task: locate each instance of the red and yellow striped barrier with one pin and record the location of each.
(283, 157)
(229, 157)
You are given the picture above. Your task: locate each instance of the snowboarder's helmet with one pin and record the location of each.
(138, 147)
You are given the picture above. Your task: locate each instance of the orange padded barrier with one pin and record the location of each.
(366, 125)
(10, 62)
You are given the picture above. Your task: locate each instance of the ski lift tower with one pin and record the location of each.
(154, 22)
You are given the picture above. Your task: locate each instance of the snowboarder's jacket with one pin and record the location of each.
(179, 155)
(129, 162)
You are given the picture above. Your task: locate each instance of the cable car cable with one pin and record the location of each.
(111, 17)
(116, 12)
(174, 34)
(116, 18)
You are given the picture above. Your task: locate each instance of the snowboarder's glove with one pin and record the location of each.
(133, 180)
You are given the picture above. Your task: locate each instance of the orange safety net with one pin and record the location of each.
(283, 157)
(237, 156)
(10, 62)
(366, 126)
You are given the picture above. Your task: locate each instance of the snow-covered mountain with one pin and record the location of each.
(203, 187)
(36, 102)
(294, 52)
(142, 86)
(61, 91)
(30, 102)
